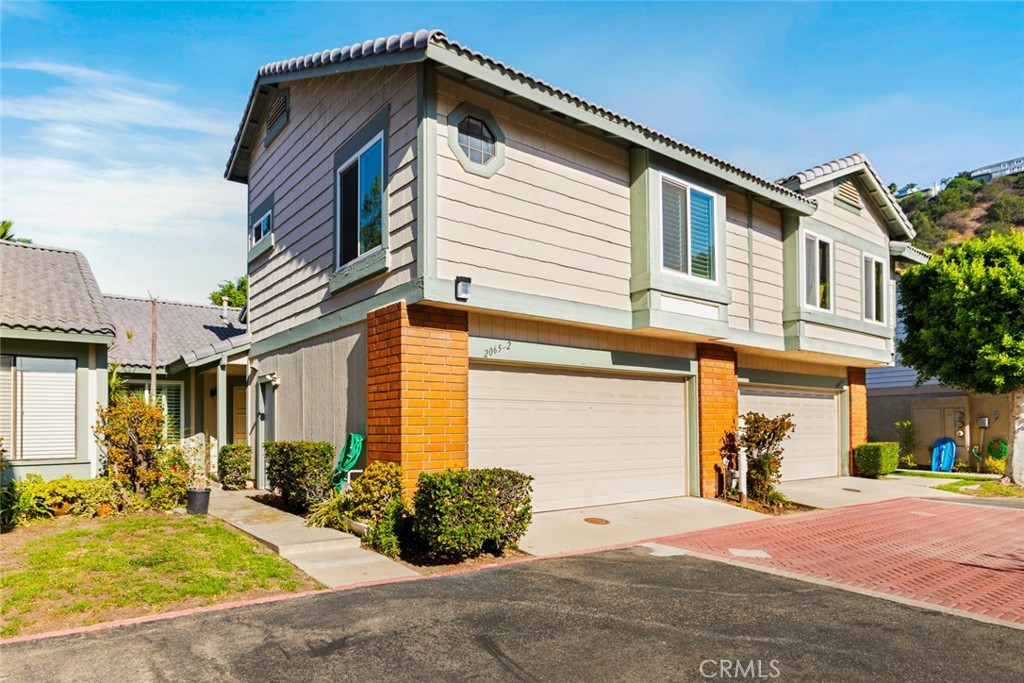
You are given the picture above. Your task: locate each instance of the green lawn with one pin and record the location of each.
(984, 489)
(73, 572)
(941, 475)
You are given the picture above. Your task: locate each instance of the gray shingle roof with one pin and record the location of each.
(421, 40)
(887, 202)
(180, 329)
(49, 289)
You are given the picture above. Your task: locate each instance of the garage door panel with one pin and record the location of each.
(813, 449)
(587, 439)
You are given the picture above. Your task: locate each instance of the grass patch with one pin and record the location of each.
(984, 489)
(73, 571)
(941, 475)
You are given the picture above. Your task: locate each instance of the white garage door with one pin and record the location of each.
(587, 439)
(813, 449)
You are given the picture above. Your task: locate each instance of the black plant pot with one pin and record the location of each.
(198, 501)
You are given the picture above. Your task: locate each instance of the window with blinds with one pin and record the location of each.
(687, 230)
(170, 399)
(37, 407)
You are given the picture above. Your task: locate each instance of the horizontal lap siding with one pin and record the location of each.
(553, 221)
(799, 367)
(848, 281)
(289, 286)
(737, 259)
(864, 223)
(515, 329)
(767, 282)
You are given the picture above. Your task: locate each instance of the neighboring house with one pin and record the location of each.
(201, 363)
(475, 268)
(937, 412)
(1009, 167)
(54, 333)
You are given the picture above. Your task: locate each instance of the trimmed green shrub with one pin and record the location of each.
(371, 491)
(32, 498)
(300, 470)
(877, 459)
(386, 532)
(234, 463)
(462, 513)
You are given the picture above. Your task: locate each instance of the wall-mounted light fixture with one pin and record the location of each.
(463, 285)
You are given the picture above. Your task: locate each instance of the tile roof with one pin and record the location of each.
(422, 39)
(49, 289)
(844, 164)
(180, 329)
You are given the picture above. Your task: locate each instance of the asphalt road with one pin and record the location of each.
(622, 615)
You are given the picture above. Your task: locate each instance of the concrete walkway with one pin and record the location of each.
(331, 557)
(566, 531)
(834, 492)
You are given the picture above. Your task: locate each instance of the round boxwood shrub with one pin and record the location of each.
(234, 463)
(300, 470)
(877, 459)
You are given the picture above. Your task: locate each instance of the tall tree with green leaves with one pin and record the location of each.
(236, 291)
(963, 320)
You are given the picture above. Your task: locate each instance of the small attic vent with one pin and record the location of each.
(847, 191)
(277, 117)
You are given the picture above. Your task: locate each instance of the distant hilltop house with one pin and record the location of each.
(1000, 169)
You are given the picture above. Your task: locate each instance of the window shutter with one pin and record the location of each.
(46, 407)
(7, 403)
(170, 397)
(847, 191)
(673, 227)
(702, 235)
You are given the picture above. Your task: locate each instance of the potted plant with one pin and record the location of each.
(198, 488)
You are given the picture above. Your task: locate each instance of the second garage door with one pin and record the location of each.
(588, 439)
(813, 449)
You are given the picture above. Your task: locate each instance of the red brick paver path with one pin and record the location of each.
(969, 557)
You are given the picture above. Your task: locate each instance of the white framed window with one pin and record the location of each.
(38, 407)
(359, 193)
(687, 229)
(874, 289)
(261, 227)
(170, 396)
(819, 266)
(476, 140)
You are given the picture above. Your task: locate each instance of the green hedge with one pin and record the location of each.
(462, 513)
(877, 459)
(32, 498)
(234, 463)
(301, 470)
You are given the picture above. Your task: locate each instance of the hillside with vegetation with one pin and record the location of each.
(966, 208)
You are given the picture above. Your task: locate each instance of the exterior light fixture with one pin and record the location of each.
(462, 288)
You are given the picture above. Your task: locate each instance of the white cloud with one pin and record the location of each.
(119, 168)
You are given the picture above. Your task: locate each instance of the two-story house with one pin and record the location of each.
(476, 268)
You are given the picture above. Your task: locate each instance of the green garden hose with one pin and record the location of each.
(997, 449)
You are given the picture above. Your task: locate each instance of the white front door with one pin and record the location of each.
(238, 423)
(588, 439)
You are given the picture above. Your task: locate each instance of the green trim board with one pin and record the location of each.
(8, 333)
(453, 120)
(363, 268)
(262, 247)
(750, 263)
(839, 236)
(844, 433)
(839, 322)
(488, 349)
(411, 292)
(837, 349)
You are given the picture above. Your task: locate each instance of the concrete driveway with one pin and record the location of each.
(625, 615)
(832, 492)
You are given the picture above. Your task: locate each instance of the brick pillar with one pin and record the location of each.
(417, 392)
(718, 410)
(858, 411)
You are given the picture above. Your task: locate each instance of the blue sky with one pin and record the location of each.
(118, 117)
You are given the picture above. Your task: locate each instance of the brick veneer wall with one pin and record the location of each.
(858, 410)
(417, 393)
(718, 408)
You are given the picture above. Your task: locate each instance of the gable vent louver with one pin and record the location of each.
(847, 191)
(278, 112)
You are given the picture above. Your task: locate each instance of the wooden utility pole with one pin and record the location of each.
(152, 358)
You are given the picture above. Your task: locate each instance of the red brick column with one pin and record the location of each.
(417, 393)
(718, 409)
(858, 411)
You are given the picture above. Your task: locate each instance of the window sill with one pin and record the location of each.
(261, 247)
(830, 319)
(363, 268)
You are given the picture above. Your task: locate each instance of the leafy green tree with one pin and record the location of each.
(929, 235)
(7, 233)
(1008, 208)
(963, 318)
(237, 292)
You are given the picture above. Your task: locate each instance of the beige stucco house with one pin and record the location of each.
(475, 268)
